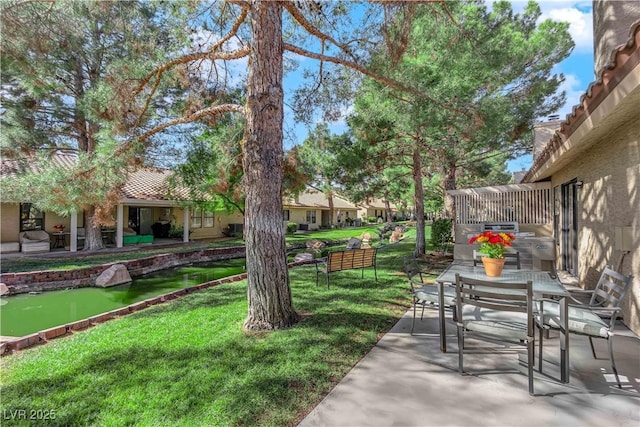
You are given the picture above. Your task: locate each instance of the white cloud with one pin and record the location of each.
(574, 89)
(579, 17)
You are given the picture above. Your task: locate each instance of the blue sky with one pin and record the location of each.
(577, 68)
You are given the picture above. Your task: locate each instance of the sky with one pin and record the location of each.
(578, 68)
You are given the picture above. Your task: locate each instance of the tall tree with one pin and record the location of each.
(490, 75)
(253, 29)
(56, 58)
(317, 160)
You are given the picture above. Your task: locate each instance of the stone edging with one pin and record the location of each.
(49, 280)
(42, 337)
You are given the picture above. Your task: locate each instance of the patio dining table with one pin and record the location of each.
(544, 285)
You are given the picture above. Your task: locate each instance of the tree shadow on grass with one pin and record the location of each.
(234, 380)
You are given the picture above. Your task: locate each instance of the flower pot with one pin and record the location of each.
(493, 266)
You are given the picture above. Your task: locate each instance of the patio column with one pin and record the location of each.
(119, 224)
(185, 225)
(73, 237)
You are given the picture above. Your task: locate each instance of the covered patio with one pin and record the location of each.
(406, 381)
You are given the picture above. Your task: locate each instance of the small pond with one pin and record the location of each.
(28, 313)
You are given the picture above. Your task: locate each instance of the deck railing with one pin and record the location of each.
(523, 203)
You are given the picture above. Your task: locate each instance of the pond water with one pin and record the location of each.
(28, 313)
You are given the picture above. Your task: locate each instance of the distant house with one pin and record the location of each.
(377, 208)
(310, 210)
(144, 208)
(592, 161)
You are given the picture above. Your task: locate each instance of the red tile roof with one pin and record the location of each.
(142, 184)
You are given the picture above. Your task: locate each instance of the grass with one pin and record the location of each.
(87, 259)
(189, 362)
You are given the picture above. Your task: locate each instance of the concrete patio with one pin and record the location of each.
(406, 381)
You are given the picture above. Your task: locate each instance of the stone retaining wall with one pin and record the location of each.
(39, 281)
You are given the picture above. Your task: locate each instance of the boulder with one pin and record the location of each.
(3, 289)
(315, 245)
(354, 243)
(117, 274)
(303, 257)
(396, 236)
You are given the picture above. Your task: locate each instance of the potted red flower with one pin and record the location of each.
(493, 246)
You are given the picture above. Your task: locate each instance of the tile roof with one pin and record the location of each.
(143, 184)
(314, 198)
(11, 168)
(623, 60)
(378, 204)
(150, 184)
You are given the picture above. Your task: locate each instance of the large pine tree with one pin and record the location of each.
(59, 61)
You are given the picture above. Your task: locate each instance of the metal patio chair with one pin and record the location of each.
(495, 312)
(511, 258)
(424, 294)
(596, 319)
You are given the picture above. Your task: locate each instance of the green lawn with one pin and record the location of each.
(189, 362)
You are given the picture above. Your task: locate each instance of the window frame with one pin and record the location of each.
(311, 217)
(196, 215)
(206, 216)
(27, 216)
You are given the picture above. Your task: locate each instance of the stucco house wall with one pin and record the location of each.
(609, 198)
(10, 228)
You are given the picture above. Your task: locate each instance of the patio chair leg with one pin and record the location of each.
(422, 312)
(530, 353)
(540, 338)
(413, 321)
(460, 349)
(613, 362)
(593, 350)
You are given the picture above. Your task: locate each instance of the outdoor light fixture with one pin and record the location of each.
(579, 184)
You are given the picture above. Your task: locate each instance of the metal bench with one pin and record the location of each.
(347, 260)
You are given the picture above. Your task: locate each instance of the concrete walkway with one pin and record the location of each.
(406, 381)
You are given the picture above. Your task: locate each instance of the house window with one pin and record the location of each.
(311, 217)
(208, 219)
(196, 218)
(31, 218)
(286, 214)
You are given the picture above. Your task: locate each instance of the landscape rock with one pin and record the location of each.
(3, 289)
(117, 274)
(354, 243)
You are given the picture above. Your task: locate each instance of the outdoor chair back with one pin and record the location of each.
(491, 311)
(423, 294)
(596, 319)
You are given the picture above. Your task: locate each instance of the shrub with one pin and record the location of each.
(441, 233)
(291, 227)
(372, 219)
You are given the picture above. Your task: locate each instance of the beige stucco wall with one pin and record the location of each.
(609, 198)
(299, 216)
(10, 219)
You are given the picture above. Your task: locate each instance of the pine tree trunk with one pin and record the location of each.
(387, 209)
(93, 234)
(331, 208)
(419, 204)
(268, 291)
(449, 184)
